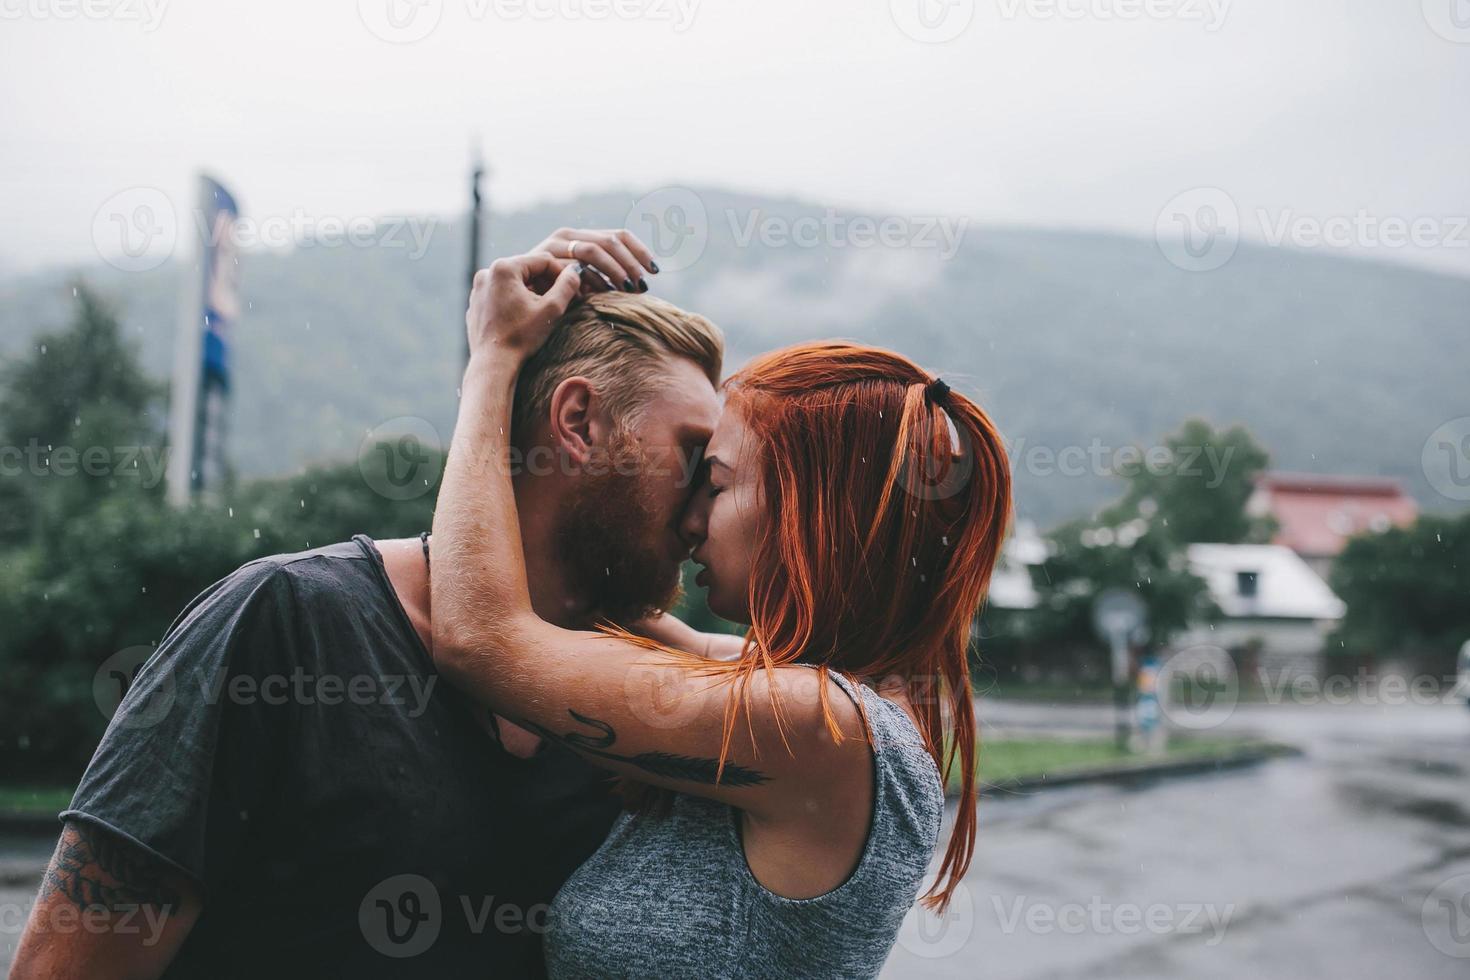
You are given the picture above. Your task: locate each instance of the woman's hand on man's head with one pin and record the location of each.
(515, 303)
(620, 258)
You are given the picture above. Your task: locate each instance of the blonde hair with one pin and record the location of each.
(620, 343)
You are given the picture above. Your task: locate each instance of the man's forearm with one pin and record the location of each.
(106, 909)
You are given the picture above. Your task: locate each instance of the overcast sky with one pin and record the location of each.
(1068, 113)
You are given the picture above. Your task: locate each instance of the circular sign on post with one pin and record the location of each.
(1116, 613)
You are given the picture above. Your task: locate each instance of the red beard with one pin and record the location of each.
(612, 543)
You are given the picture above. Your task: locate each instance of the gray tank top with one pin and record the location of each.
(671, 896)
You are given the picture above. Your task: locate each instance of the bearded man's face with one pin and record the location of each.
(618, 538)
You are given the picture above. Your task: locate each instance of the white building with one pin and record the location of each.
(1271, 599)
(1010, 583)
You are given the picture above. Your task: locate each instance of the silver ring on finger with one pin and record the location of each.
(572, 248)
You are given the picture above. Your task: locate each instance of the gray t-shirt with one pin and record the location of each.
(671, 896)
(290, 747)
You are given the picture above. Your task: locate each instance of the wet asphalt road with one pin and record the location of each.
(1352, 860)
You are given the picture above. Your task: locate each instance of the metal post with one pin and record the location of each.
(477, 172)
(1122, 706)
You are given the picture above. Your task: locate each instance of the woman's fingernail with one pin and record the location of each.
(642, 285)
(652, 265)
(628, 285)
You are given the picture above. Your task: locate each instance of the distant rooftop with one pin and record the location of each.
(1317, 513)
(1332, 483)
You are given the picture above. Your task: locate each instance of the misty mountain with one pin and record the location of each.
(1081, 340)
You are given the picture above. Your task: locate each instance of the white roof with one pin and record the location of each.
(1011, 588)
(1025, 545)
(1010, 583)
(1286, 586)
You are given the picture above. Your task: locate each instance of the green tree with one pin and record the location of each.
(1198, 487)
(79, 421)
(1407, 590)
(91, 565)
(1085, 558)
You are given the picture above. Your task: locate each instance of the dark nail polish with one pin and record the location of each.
(653, 265)
(642, 285)
(628, 285)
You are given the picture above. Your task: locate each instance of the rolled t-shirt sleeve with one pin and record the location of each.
(190, 753)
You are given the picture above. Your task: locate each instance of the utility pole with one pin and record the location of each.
(477, 173)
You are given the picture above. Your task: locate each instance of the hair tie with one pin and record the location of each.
(936, 391)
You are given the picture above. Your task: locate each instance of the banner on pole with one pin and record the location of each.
(199, 397)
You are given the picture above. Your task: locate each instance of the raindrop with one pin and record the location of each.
(257, 534)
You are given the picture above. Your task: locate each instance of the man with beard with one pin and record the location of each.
(287, 791)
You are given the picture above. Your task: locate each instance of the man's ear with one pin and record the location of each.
(575, 428)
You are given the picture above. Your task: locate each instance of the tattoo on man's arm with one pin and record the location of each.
(693, 769)
(97, 870)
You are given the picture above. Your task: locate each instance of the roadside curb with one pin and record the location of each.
(1142, 771)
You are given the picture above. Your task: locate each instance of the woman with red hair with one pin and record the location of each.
(786, 803)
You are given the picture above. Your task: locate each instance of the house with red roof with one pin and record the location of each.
(1316, 514)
